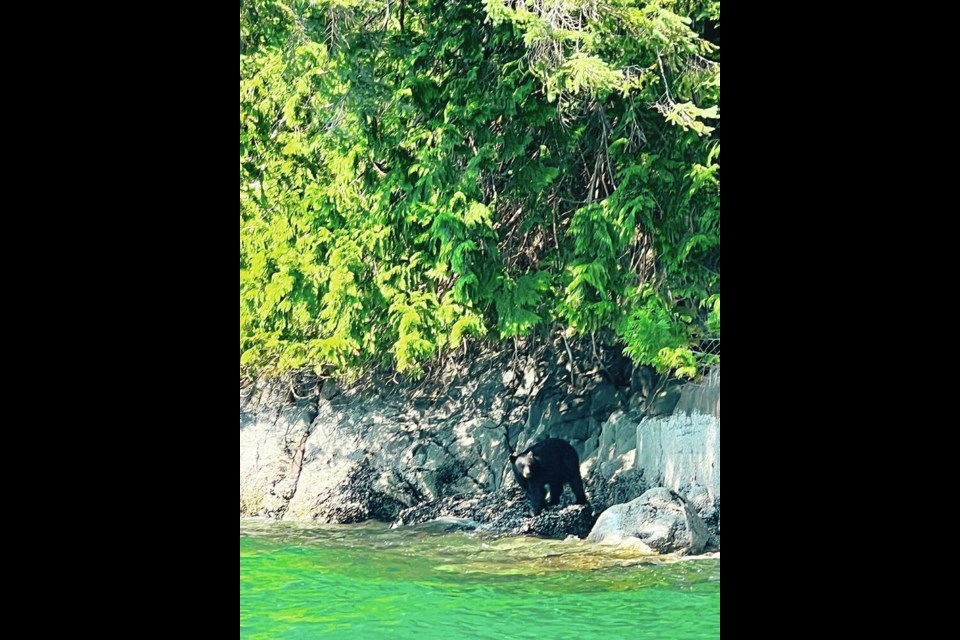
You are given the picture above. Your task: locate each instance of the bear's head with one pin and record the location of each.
(523, 465)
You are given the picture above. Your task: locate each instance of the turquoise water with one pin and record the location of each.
(370, 582)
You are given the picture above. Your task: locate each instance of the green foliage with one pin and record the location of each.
(418, 173)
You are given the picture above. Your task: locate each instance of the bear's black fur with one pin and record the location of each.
(551, 463)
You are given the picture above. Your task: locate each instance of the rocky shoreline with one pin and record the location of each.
(410, 453)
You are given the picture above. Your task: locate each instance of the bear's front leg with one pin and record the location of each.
(536, 495)
(553, 496)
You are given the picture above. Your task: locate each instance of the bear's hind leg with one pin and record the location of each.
(577, 485)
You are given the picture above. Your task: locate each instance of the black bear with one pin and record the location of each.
(550, 463)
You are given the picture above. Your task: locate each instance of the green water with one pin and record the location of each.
(369, 582)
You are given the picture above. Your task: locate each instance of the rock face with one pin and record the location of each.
(660, 520)
(682, 451)
(271, 450)
(322, 452)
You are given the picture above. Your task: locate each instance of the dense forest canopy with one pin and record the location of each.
(415, 174)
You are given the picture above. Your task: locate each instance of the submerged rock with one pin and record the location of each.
(660, 520)
(447, 525)
(507, 512)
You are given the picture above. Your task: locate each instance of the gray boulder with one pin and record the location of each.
(660, 520)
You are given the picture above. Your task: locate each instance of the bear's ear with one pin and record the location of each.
(513, 458)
